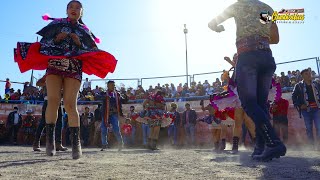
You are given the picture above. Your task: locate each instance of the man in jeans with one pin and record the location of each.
(305, 97)
(254, 69)
(189, 120)
(111, 111)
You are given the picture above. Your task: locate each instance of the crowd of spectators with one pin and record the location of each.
(289, 80)
(32, 94)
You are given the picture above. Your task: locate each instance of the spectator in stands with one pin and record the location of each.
(87, 85)
(11, 91)
(284, 82)
(209, 90)
(189, 119)
(298, 76)
(19, 92)
(290, 75)
(14, 123)
(179, 88)
(185, 91)
(279, 111)
(7, 86)
(217, 83)
(206, 84)
(15, 96)
(97, 90)
(305, 97)
(173, 90)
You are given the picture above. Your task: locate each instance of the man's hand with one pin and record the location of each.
(303, 107)
(227, 58)
(219, 28)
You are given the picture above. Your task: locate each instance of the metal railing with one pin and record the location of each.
(140, 81)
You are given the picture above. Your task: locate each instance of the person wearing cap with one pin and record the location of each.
(28, 125)
(14, 123)
(111, 111)
(189, 120)
(306, 97)
(173, 128)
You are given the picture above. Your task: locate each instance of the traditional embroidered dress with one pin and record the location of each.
(64, 58)
(153, 114)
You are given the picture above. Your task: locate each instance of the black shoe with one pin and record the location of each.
(59, 147)
(36, 146)
(75, 141)
(154, 144)
(104, 147)
(274, 147)
(36, 143)
(272, 152)
(235, 145)
(222, 145)
(259, 145)
(50, 142)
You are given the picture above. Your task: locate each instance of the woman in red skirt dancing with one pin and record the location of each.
(67, 49)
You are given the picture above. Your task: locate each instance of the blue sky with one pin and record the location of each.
(146, 36)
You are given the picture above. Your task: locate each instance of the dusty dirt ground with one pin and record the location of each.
(18, 162)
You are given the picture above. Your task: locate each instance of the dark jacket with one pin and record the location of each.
(10, 120)
(97, 114)
(298, 93)
(192, 117)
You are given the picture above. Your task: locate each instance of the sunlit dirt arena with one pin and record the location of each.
(22, 163)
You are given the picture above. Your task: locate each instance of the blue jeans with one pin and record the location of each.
(254, 73)
(309, 117)
(145, 133)
(173, 131)
(127, 140)
(190, 132)
(133, 135)
(113, 120)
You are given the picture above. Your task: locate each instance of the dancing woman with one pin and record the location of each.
(67, 49)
